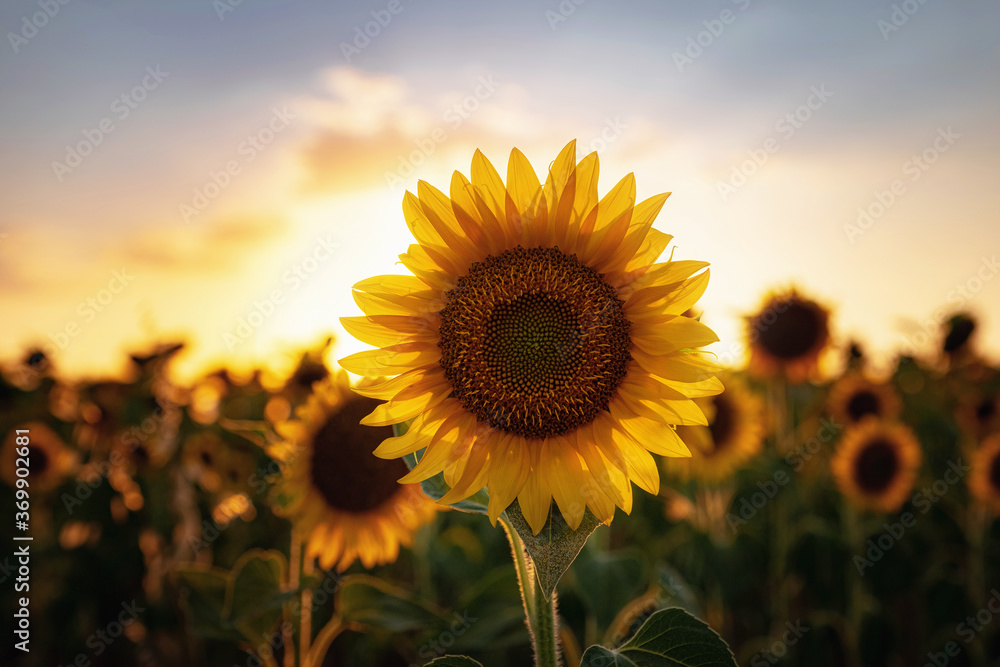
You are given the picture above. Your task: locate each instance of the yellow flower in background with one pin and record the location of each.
(854, 397)
(344, 501)
(876, 464)
(733, 436)
(984, 480)
(540, 349)
(50, 461)
(787, 336)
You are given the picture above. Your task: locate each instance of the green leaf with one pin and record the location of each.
(255, 596)
(372, 602)
(670, 638)
(436, 487)
(454, 661)
(205, 600)
(555, 547)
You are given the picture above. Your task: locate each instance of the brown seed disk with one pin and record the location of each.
(534, 342)
(343, 468)
(876, 466)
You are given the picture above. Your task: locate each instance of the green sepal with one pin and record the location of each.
(556, 545)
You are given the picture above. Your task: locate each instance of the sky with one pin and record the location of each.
(222, 171)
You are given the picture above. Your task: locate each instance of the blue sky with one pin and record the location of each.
(613, 75)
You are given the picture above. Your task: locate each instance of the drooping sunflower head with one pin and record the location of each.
(345, 502)
(876, 464)
(854, 397)
(787, 336)
(50, 460)
(733, 436)
(984, 480)
(957, 334)
(539, 347)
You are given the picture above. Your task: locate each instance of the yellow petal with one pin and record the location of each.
(560, 189)
(410, 402)
(492, 195)
(653, 434)
(508, 476)
(482, 233)
(392, 360)
(385, 330)
(676, 334)
(642, 220)
(677, 366)
(535, 498)
(565, 477)
(524, 192)
(477, 468)
(614, 216)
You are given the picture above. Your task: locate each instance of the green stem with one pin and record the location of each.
(856, 594)
(539, 612)
(544, 631)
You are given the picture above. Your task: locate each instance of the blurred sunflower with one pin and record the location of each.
(540, 349)
(50, 461)
(854, 397)
(733, 436)
(203, 457)
(787, 336)
(984, 480)
(876, 464)
(957, 335)
(344, 501)
(978, 414)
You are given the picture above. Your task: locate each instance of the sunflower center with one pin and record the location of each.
(995, 472)
(534, 342)
(724, 424)
(791, 333)
(876, 466)
(986, 410)
(343, 468)
(38, 460)
(862, 404)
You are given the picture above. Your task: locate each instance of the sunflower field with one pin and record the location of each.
(534, 462)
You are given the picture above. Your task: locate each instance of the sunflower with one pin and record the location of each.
(854, 397)
(787, 336)
(876, 464)
(984, 480)
(733, 435)
(978, 413)
(50, 461)
(539, 348)
(345, 501)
